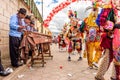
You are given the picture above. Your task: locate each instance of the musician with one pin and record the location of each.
(29, 24)
(15, 36)
(32, 26)
(29, 27)
(26, 22)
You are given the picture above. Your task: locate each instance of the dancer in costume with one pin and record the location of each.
(74, 37)
(92, 39)
(61, 42)
(106, 20)
(116, 40)
(75, 42)
(116, 52)
(106, 45)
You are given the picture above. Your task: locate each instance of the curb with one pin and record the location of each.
(17, 71)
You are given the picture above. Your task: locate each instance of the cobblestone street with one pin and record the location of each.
(60, 69)
(32, 31)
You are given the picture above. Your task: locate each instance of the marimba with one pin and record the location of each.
(36, 42)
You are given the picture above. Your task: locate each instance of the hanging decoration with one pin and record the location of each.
(55, 11)
(59, 8)
(96, 4)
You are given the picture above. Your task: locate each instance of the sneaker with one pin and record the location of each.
(95, 64)
(90, 67)
(69, 58)
(10, 70)
(80, 58)
(4, 73)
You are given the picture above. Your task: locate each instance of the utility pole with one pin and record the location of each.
(42, 18)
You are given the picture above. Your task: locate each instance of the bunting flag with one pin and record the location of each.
(59, 8)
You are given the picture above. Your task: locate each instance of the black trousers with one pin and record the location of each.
(1, 66)
(30, 53)
(14, 43)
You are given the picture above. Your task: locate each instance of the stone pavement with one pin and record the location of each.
(60, 69)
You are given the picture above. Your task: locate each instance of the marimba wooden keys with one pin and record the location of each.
(41, 41)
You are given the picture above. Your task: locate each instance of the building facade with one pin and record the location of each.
(8, 8)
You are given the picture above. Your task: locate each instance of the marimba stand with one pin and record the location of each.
(47, 51)
(41, 53)
(43, 47)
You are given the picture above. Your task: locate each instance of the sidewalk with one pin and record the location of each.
(60, 69)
